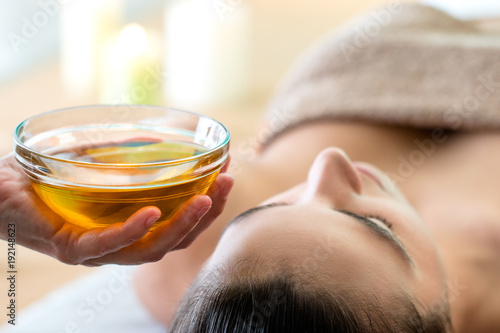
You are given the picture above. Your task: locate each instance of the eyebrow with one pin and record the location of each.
(381, 232)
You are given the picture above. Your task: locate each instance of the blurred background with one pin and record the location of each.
(220, 57)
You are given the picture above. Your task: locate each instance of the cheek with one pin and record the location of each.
(430, 289)
(291, 196)
(427, 256)
(421, 246)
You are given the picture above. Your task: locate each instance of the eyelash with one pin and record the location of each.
(381, 219)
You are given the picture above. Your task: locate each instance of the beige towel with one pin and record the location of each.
(405, 65)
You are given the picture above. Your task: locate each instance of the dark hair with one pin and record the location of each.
(279, 304)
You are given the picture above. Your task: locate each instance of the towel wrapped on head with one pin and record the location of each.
(403, 64)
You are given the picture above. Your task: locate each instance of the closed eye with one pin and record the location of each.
(381, 219)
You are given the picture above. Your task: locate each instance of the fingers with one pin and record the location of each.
(219, 194)
(96, 243)
(161, 240)
(118, 236)
(183, 222)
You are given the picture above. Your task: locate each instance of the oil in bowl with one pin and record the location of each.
(94, 174)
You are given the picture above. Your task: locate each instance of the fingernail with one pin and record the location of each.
(151, 220)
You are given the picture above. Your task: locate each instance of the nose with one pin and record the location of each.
(332, 177)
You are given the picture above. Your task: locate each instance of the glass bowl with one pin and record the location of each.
(97, 165)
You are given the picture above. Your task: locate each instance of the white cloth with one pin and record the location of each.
(104, 301)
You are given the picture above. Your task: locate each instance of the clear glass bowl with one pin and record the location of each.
(97, 165)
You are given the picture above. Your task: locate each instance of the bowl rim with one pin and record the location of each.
(18, 142)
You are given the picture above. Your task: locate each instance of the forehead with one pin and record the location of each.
(314, 240)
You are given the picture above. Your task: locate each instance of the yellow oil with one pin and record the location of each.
(91, 206)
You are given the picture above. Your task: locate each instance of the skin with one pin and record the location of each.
(449, 221)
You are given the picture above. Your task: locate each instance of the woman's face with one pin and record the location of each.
(347, 226)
